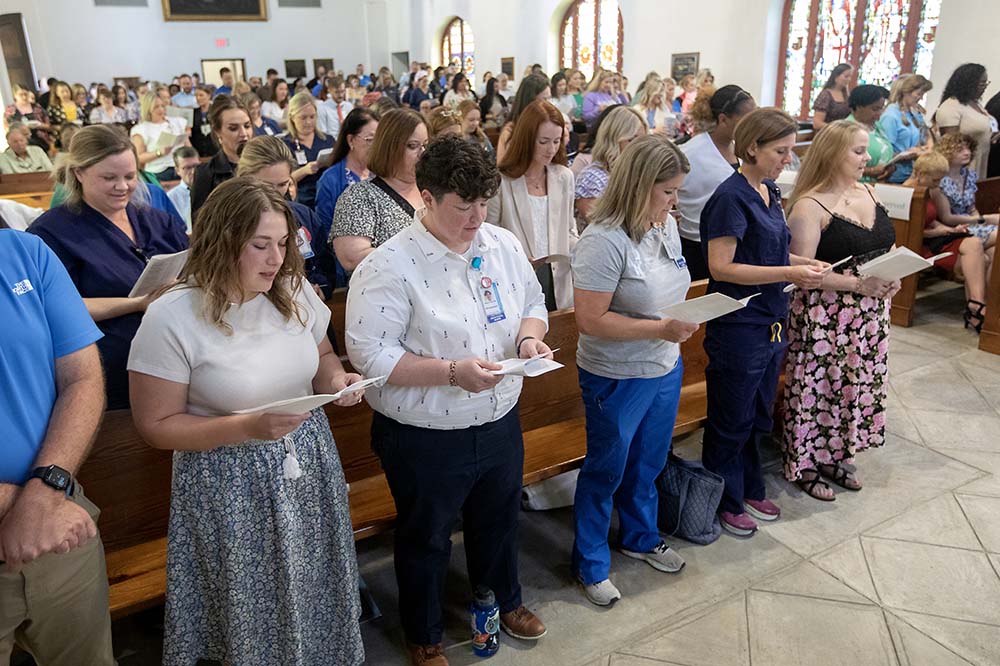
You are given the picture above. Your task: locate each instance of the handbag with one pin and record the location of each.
(689, 497)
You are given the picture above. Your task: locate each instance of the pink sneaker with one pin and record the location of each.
(764, 509)
(739, 524)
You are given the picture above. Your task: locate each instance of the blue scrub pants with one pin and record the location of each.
(630, 425)
(744, 362)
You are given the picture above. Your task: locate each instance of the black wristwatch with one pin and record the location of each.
(55, 477)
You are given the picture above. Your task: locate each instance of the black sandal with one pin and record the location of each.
(975, 319)
(841, 476)
(809, 487)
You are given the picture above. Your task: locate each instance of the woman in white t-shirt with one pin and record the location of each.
(154, 158)
(261, 566)
(276, 108)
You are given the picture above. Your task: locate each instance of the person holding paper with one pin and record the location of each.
(230, 122)
(627, 267)
(745, 240)
(260, 541)
(349, 163)
(838, 333)
(535, 199)
(147, 137)
(446, 429)
(105, 239)
(306, 142)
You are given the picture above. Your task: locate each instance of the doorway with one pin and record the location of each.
(20, 71)
(400, 63)
(210, 70)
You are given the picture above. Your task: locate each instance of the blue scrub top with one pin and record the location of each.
(104, 263)
(44, 319)
(306, 188)
(331, 185)
(322, 269)
(736, 209)
(266, 124)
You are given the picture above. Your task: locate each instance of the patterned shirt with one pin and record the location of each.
(366, 210)
(961, 196)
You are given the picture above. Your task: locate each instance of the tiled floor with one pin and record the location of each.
(906, 572)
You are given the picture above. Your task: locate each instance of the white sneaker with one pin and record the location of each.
(660, 558)
(602, 593)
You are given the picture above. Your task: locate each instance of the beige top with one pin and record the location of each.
(36, 160)
(972, 121)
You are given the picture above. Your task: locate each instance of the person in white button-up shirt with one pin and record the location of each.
(435, 309)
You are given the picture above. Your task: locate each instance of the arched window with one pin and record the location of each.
(591, 35)
(880, 39)
(458, 47)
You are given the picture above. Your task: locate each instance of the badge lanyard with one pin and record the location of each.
(300, 155)
(489, 294)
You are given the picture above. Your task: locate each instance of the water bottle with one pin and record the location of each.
(485, 617)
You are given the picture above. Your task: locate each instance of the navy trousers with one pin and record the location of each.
(744, 362)
(630, 425)
(435, 475)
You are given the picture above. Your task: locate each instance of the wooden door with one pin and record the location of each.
(15, 51)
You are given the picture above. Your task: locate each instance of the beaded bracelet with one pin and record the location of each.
(452, 379)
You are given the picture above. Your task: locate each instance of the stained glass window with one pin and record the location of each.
(591, 36)
(458, 47)
(880, 39)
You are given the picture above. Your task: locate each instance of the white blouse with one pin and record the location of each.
(413, 294)
(150, 133)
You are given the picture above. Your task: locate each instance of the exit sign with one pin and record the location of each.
(221, 43)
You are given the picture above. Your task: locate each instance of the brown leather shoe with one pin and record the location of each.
(522, 623)
(426, 655)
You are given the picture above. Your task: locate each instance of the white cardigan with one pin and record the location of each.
(510, 208)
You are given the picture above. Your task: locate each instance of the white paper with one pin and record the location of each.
(308, 403)
(898, 264)
(168, 140)
(896, 200)
(527, 367)
(161, 269)
(324, 153)
(705, 308)
(181, 112)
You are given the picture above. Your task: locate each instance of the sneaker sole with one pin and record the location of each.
(737, 530)
(591, 599)
(760, 515)
(656, 565)
(512, 634)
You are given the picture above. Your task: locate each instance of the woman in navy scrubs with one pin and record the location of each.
(306, 142)
(745, 238)
(105, 240)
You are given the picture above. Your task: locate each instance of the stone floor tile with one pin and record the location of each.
(717, 638)
(940, 387)
(847, 564)
(939, 521)
(619, 659)
(977, 432)
(600, 661)
(995, 559)
(987, 462)
(808, 580)
(790, 631)
(936, 580)
(979, 643)
(983, 513)
(896, 477)
(904, 357)
(914, 648)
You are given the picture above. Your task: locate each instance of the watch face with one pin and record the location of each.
(57, 479)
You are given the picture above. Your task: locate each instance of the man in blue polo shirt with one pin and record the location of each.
(53, 579)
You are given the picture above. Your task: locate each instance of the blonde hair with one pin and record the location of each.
(299, 102)
(90, 145)
(261, 152)
(651, 89)
(820, 165)
(904, 85)
(471, 105)
(760, 127)
(621, 122)
(595, 83)
(442, 119)
(703, 74)
(648, 160)
(146, 105)
(932, 165)
(222, 228)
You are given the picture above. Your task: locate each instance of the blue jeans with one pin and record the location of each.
(630, 425)
(744, 362)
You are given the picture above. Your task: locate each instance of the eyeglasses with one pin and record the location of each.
(369, 139)
(736, 100)
(416, 147)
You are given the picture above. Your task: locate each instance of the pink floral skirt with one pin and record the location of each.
(835, 378)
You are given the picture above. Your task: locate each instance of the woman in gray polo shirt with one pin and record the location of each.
(627, 267)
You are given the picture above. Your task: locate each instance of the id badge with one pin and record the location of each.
(490, 297)
(300, 157)
(681, 262)
(267, 128)
(206, 129)
(303, 242)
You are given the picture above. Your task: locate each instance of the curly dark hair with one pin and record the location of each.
(963, 84)
(452, 164)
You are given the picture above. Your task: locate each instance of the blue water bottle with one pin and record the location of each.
(485, 615)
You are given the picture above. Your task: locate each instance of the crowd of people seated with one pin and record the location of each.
(455, 251)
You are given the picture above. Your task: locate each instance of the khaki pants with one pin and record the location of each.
(56, 607)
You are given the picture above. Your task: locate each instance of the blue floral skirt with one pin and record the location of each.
(262, 570)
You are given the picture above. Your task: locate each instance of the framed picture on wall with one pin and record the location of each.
(214, 10)
(682, 64)
(325, 62)
(295, 69)
(507, 67)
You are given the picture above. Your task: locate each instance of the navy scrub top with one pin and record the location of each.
(305, 189)
(737, 209)
(104, 263)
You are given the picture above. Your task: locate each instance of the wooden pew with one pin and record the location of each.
(130, 481)
(909, 233)
(988, 201)
(30, 189)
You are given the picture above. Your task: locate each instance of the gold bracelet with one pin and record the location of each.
(452, 379)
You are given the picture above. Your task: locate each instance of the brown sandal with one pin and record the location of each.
(809, 487)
